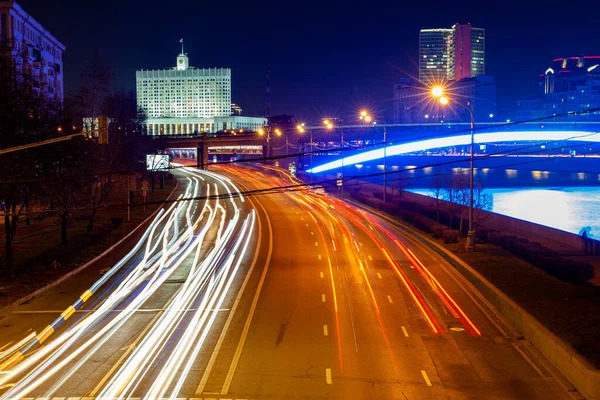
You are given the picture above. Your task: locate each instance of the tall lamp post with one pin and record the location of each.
(301, 130)
(262, 132)
(267, 131)
(329, 126)
(438, 92)
(364, 116)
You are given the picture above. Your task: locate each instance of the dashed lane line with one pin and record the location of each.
(427, 381)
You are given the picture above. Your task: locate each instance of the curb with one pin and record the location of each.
(66, 276)
(574, 367)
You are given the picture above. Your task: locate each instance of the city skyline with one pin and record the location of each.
(298, 48)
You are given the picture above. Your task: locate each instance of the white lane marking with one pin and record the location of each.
(427, 381)
(370, 258)
(312, 233)
(325, 330)
(404, 331)
(316, 244)
(323, 298)
(328, 375)
(297, 212)
(379, 275)
(302, 218)
(390, 299)
(238, 351)
(306, 225)
(321, 274)
(319, 256)
(361, 245)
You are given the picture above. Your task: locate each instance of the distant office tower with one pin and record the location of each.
(433, 54)
(34, 52)
(451, 54)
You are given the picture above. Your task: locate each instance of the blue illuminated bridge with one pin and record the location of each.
(552, 143)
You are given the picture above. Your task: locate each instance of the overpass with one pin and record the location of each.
(401, 139)
(246, 143)
(450, 141)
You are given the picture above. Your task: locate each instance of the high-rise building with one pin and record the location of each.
(569, 84)
(34, 52)
(451, 54)
(186, 100)
(433, 54)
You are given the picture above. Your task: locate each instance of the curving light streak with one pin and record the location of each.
(458, 140)
(164, 247)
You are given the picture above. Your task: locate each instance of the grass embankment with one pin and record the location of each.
(570, 311)
(40, 258)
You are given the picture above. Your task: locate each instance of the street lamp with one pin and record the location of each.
(301, 130)
(364, 116)
(438, 92)
(329, 126)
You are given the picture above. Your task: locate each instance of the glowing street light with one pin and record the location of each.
(364, 116)
(301, 130)
(261, 132)
(438, 92)
(278, 132)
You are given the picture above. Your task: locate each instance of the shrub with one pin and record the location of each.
(450, 236)
(438, 230)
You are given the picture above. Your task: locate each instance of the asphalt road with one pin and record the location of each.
(277, 295)
(353, 308)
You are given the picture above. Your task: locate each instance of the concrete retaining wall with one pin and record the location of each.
(571, 364)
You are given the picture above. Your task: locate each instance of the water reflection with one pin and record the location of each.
(568, 209)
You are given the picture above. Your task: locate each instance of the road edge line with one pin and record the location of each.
(238, 351)
(562, 361)
(217, 348)
(66, 276)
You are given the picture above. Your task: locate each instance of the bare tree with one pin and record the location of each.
(453, 193)
(68, 179)
(436, 193)
(26, 115)
(483, 204)
(94, 87)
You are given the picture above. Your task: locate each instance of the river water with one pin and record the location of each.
(569, 209)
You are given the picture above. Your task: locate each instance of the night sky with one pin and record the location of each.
(325, 58)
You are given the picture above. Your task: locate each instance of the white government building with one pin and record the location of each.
(186, 100)
(36, 54)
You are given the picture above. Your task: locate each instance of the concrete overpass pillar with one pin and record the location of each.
(201, 156)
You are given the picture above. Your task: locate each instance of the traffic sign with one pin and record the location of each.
(339, 175)
(339, 182)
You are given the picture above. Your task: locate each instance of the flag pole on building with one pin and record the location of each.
(181, 41)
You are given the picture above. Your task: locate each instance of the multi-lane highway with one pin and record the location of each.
(266, 295)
